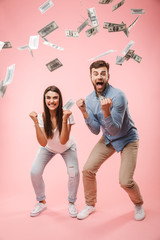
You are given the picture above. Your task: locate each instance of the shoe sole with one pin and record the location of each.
(36, 214)
(73, 215)
(81, 218)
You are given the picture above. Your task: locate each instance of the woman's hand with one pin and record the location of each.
(66, 114)
(33, 116)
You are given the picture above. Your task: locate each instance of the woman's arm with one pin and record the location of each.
(40, 133)
(66, 128)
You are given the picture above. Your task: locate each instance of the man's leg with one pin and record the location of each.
(98, 155)
(128, 165)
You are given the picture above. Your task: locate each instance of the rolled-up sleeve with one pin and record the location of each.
(92, 122)
(113, 123)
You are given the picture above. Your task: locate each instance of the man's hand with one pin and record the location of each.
(33, 116)
(82, 106)
(106, 104)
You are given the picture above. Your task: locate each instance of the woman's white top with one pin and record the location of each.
(54, 144)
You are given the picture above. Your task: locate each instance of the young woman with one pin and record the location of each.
(53, 128)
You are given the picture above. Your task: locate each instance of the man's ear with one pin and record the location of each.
(108, 76)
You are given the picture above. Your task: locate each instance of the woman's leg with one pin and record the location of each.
(42, 158)
(71, 161)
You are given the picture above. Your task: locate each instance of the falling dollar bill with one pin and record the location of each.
(92, 31)
(117, 28)
(130, 44)
(129, 54)
(137, 11)
(34, 42)
(2, 89)
(136, 58)
(100, 97)
(53, 45)
(48, 29)
(9, 75)
(120, 60)
(7, 45)
(105, 1)
(1, 45)
(82, 26)
(23, 47)
(114, 27)
(45, 6)
(103, 54)
(129, 28)
(92, 16)
(71, 33)
(68, 105)
(54, 64)
(118, 5)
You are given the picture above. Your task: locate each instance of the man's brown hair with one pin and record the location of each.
(98, 64)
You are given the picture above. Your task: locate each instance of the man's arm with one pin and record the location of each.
(90, 120)
(114, 118)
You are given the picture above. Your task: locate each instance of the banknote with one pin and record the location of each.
(54, 64)
(1, 45)
(129, 54)
(82, 26)
(126, 32)
(117, 28)
(136, 58)
(71, 33)
(130, 44)
(23, 47)
(129, 28)
(45, 39)
(120, 60)
(34, 42)
(7, 45)
(9, 75)
(118, 5)
(31, 52)
(105, 1)
(53, 45)
(137, 11)
(48, 29)
(101, 97)
(114, 27)
(69, 104)
(45, 6)
(92, 31)
(92, 16)
(108, 24)
(103, 54)
(2, 89)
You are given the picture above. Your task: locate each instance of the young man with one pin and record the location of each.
(107, 107)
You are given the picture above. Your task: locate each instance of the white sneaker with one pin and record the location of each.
(85, 212)
(72, 210)
(139, 213)
(39, 207)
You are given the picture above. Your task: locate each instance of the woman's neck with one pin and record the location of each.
(52, 114)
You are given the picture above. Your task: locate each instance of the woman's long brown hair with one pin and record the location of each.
(46, 114)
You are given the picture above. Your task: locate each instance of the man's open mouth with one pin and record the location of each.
(99, 85)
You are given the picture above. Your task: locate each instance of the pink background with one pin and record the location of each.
(18, 146)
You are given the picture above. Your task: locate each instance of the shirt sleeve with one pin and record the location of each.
(92, 122)
(40, 120)
(114, 122)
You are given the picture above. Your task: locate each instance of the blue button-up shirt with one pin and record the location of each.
(118, 128)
